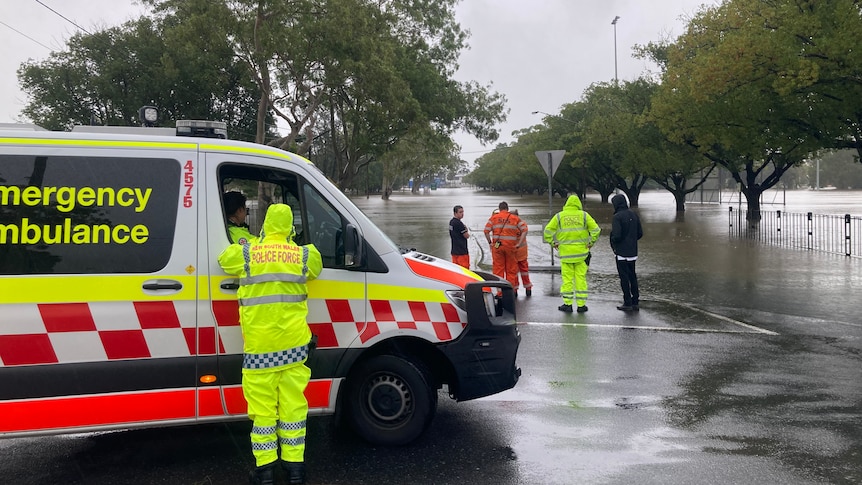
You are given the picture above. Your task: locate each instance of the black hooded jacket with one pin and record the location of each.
(626, 228)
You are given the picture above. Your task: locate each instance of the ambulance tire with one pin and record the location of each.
(390, 400)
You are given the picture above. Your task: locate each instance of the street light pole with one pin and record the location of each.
(556, 116)
(614, 23)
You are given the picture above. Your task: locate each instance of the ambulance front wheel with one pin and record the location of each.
(390, 400)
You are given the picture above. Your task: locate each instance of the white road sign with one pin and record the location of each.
(550, 160)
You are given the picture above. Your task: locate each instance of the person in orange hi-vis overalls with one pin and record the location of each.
(523, 266)
(505, 232)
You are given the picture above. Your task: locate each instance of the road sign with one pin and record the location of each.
(550, 160)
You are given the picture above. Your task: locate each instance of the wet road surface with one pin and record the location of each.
(744, 365)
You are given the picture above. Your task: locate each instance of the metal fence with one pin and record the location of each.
(815, 232)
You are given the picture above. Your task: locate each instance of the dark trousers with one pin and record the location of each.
(628, 281)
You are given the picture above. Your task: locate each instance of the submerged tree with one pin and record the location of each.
(754, 86)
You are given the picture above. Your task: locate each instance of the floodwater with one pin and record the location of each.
(687, 256)
(760, 386)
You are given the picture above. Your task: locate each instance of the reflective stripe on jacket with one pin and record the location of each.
(573, 229)
(506, 228)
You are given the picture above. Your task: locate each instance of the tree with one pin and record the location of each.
(740, 88)
(821, 66)
(420, 154)
(401, 81)
(676, 167)
(348, 77)
(614, 138)
(362, 74)
(105, 77)
(562, 132)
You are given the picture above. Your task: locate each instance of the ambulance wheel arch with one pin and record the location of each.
(391, 400)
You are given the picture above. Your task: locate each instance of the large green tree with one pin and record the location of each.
(613, 138)
(754, 86)
(348, 77)
(359, 73)
(105, 77)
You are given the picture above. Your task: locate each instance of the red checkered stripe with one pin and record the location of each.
(52, 333)
(341, 323)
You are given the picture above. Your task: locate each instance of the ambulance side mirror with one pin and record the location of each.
(352, 247)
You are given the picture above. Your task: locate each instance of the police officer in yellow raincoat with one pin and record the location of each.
(573, 232)
(237, 212)
(273, 272)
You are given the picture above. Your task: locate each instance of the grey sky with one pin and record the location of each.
(540, 54)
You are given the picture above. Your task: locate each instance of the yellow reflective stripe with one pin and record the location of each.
(345, 290)
(401, 293)
(203, 287)
(97, 143)
(88, 288)
(264, 150)
(270, 299)
(334, 289)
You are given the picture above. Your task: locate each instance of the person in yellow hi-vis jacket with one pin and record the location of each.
(236, 213)
(573, 232)
(273, 312)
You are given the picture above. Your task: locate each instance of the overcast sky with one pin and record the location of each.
(540, 54)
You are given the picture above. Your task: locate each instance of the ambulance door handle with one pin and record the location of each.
(163, 285)
(230, 285)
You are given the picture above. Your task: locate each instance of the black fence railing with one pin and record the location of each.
(815, 232)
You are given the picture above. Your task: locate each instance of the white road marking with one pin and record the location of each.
(649, 327)
(720, 317)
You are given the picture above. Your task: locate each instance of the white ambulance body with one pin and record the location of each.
(114, 312)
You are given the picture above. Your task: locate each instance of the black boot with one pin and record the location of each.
(263, 475)
(295, 472)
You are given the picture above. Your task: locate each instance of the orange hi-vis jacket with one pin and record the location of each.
(506, 228)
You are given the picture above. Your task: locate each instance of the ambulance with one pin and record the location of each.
(115, 314)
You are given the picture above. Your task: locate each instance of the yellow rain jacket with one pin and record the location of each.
(272, 295)
(573, 231)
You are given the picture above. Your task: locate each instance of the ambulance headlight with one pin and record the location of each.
(457, 298)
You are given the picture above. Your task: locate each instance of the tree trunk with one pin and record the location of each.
(632, 191)
(752, 200)
(605, 194)
(679, 197)
(386, 190)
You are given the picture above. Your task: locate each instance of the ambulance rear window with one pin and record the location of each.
(83, 215)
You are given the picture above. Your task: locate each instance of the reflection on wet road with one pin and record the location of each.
(743, 365)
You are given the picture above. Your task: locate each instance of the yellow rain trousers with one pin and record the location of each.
(273, 272)
(278, 408)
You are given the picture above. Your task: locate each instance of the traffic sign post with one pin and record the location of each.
(550, 160)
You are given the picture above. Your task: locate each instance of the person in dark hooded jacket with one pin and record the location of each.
(625, 232)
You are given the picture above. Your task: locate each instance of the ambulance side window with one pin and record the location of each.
(87, 215)
(325, 228)
(315, 220)
(263, 187)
